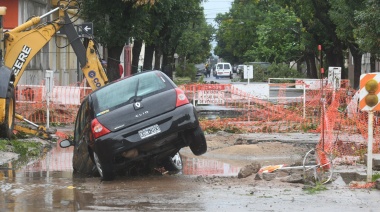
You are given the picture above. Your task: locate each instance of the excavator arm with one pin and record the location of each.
(22, 44)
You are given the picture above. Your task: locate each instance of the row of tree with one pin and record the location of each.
(281, 31)
(165, 27)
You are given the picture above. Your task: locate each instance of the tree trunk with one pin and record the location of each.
(137, 44)
(357, 70)
(148, 57)
(308, 68)
(157, 58)
(335, 58)
(373, 63)
(113, 62)
(167, 68)
(357, 58)
(310, 57)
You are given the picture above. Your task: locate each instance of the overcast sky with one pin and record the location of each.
(213, 7)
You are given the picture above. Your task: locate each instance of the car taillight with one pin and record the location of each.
(181, 98)
(98, 129)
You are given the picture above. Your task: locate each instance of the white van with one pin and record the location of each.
(223, 70)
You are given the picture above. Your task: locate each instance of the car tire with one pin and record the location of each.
(105, 170)
(6, 129)
(197, 141)
(173, 163)
(82, 160)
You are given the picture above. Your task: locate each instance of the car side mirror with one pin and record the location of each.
(66, 143)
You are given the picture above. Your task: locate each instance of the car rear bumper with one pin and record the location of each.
(171, 125)
(223, 74)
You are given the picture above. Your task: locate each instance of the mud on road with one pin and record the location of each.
(191, 190)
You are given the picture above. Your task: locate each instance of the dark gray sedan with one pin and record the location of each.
(140, 122)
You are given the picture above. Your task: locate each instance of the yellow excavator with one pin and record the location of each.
(21, 44)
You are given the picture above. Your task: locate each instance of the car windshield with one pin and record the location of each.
(128, 90)
(226, 66)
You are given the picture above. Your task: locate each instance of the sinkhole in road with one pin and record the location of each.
(58, 163)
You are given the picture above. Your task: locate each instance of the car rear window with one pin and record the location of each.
(224, 66)
(126, 90)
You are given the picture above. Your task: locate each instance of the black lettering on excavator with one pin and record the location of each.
(92, 75)
(25, 51)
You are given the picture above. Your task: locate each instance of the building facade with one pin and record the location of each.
(56, 55)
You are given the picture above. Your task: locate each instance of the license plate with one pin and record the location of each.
(149, 131)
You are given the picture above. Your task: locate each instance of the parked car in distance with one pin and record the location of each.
(201, 69)
(223, 70)
(136, 123)
(240, 69)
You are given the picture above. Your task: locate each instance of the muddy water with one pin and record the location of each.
(48, 184)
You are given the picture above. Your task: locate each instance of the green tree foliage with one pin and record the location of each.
(237, 30)
(278, 38)
(177, 27)
(342, 13)
(195, 42)
(115, 23)
(367, 32)
(163, 26)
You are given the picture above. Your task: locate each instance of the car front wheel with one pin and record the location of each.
(173, 164)
(105, 170)
(197, 141)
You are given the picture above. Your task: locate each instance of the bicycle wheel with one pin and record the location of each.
(317, 167)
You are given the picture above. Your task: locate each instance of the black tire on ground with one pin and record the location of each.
(105, 169)
(173, 163)
(6, 128)
(197, 141)
(83, 162)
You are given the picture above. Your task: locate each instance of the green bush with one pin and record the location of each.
(186, 71)
(261, 73)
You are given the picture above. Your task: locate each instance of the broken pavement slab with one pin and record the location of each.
(6, 157)
(375, 161)
(307, 138)
(304, 138)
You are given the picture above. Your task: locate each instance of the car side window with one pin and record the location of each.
(82, 118)
(77, 128)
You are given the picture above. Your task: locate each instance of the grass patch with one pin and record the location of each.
(375, 176)
(264, 196)
(315, 189)
(24, 148)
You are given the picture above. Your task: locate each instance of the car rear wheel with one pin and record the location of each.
(197, 141)
(105, 171)
(173, 164)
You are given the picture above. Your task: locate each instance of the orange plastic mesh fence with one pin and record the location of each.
(343, 128)
(63, 103)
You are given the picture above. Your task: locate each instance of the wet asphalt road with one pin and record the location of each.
(48, 184)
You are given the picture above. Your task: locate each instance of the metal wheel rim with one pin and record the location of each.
(318, 173)
(98, 165)
(177, 160)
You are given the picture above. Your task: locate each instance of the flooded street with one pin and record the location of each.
(206, 183)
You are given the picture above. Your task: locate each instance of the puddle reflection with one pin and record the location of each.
(195, 166)
(58, 163)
